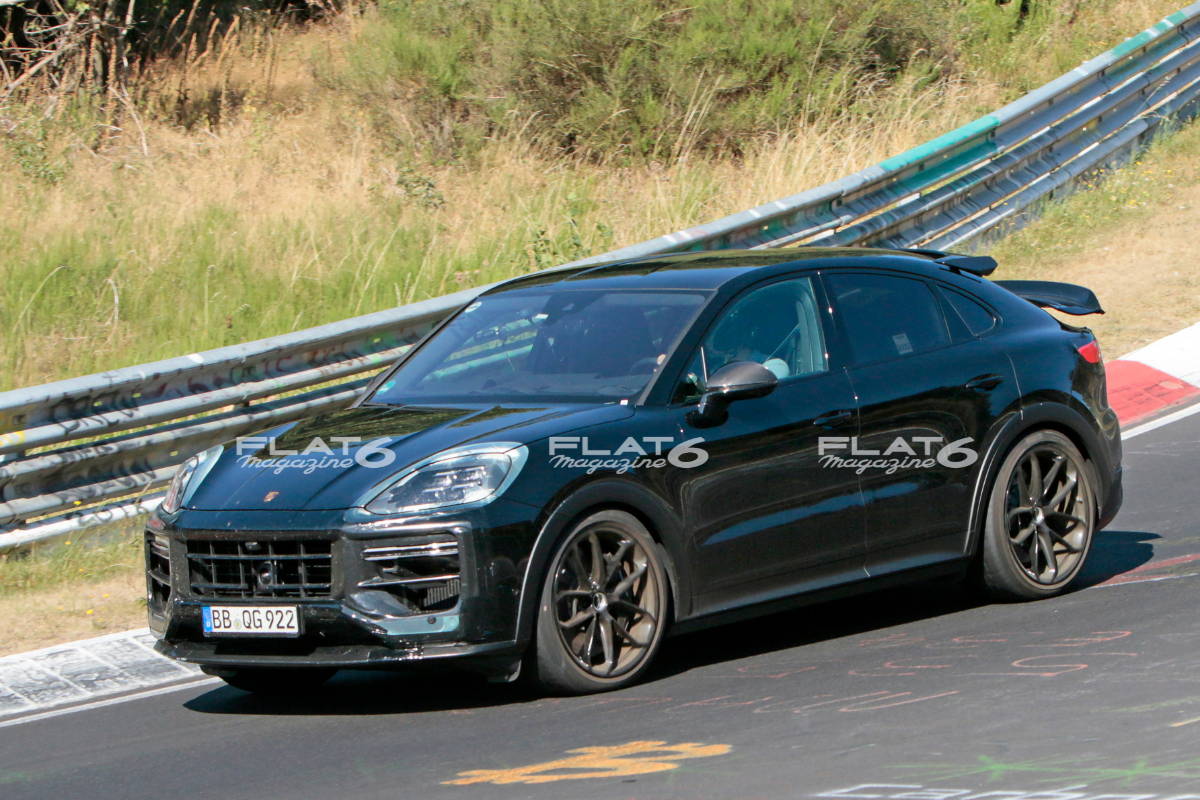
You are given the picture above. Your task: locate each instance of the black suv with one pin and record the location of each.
(584, 459)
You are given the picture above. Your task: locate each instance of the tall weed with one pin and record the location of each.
(639, 80)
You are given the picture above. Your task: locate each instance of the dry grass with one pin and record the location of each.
(294, 211)
(33, 620)
(72, 591)
(1131, 239)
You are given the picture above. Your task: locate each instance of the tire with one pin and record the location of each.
(599, 630)
(1041, 518)
(278, 680)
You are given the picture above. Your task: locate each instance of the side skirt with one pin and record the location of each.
(954, 568)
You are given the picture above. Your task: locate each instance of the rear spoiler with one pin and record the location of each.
(1065, 297)
(976, 265)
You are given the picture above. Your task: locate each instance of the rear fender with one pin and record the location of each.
(1055, 416)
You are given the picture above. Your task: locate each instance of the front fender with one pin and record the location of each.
(606, 492)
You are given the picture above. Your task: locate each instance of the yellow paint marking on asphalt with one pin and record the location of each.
(634, 758)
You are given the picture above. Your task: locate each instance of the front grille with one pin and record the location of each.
(301, 568)
(423, 573)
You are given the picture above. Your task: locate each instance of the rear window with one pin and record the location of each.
(888, 317)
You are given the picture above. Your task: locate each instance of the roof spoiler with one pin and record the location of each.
(976, 265)
(1065, 297)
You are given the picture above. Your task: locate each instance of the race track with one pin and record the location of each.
(911, 694)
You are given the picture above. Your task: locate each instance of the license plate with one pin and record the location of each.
(251, 621)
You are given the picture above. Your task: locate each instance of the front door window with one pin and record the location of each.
(778, 326)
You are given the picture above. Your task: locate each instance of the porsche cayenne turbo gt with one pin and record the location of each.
(582, 460)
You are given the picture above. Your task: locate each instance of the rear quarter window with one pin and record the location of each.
(973, 314)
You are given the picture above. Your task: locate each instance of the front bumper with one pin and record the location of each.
(383, 593)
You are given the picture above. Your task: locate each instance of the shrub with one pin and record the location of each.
(650, 79)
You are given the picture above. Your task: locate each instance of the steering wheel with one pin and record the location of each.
(640, 366)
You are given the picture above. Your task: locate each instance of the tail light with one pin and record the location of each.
(1091, 352)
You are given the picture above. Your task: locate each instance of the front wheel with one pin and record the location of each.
(603, 608)
(1040, 520)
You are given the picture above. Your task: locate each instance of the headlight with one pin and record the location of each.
(178, 492)
(452, 479)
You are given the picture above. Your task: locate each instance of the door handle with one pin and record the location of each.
(984, 382)
(833, 419)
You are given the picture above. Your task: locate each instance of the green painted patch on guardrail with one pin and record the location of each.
(933, 148)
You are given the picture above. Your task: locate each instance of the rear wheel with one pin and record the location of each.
(603, 607)
(277, 680)
(1040, 521)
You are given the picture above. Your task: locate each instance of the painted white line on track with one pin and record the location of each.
(1158, 423)
(1177, 354)
(112, 701)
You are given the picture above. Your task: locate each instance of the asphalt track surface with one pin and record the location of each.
(910, 694)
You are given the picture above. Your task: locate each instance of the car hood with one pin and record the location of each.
(246, 476)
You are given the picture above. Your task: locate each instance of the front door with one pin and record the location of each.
(766, 519)
(928, 395)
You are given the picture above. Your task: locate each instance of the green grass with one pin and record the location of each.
(632, 80)
(69, 591)
(102, 555)
(124, 278)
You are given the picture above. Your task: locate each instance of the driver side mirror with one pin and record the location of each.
(741, 380)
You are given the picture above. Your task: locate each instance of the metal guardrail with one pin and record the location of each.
(948, 193)
(174, 409)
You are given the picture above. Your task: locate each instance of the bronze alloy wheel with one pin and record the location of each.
(1044, 514)
(606, 598)
(1041, 519)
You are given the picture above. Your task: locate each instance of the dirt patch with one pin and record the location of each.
(1131, 239)
(73, 590)
(64, 614)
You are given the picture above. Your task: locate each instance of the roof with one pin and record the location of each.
(708, 270)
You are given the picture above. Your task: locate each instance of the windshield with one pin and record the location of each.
(563, 346)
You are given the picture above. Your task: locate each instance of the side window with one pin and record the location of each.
(779, 326)
(887, 317)
(977, 318)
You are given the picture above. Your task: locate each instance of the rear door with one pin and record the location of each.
(928, 392)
